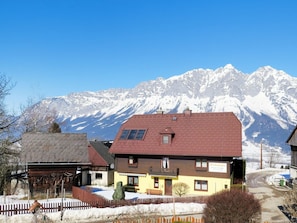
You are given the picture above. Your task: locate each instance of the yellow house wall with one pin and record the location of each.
(214, 184)
(147, 182)
(118, 178)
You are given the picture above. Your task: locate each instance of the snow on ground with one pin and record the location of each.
(102, 214)
(271, 156)
(97, 214)
(251, 152)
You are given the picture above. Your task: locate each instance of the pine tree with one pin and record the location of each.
(54, 128)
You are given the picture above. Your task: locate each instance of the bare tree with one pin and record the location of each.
(36, 117)
(180, 188)
(8, 154)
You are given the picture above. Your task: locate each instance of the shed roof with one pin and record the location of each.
(194, 134)
(54, 148)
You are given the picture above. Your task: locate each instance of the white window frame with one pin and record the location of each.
(201, 185)
(201, 163)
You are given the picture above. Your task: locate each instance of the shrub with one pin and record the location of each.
(180, 188)
(231, 206)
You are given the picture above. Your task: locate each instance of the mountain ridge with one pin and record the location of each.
(265, 102)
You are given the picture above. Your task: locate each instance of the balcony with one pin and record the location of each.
(168, 172)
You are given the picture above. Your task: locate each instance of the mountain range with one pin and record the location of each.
(265, 102)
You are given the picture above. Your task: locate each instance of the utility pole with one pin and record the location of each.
(261, 155)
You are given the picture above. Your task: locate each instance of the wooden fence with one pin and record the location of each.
(186, 219)
(12, 209)
(94, 200)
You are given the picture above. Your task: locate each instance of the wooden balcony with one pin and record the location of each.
(168, 172)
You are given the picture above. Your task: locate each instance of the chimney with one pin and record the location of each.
(159, 111)
(188, 112)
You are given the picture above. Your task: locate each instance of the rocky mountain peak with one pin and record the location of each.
(265, 102)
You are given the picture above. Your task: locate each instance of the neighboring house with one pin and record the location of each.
(102, 169)
(292, 142)
(155, 151)
(55, 161)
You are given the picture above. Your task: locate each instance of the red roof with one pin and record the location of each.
(194, 134)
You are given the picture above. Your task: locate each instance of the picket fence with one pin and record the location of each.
(12, 209)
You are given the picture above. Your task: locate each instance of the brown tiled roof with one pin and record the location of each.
(54, 148)
(194, 134)
(99, 154)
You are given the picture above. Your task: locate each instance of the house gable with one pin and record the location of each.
(292, 140)
(99, 154)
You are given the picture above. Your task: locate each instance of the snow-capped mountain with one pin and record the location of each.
(265, 101)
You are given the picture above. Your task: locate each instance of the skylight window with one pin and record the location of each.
(132, 134)
(140, 134)
(125, 133)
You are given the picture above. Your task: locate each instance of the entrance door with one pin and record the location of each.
(168, 187)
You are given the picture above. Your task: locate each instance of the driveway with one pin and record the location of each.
(270, 196)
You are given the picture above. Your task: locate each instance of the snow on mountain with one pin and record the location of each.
(265, 101)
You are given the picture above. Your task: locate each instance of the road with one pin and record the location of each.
(270, 196)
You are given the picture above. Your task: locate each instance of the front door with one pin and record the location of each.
(168, 186)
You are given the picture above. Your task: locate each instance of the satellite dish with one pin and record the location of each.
(111, 166)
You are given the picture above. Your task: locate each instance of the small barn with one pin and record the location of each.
(55, 162)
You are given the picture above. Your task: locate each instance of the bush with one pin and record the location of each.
(180, 188)
(231, 206)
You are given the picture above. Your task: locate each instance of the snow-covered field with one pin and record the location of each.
(103, 214)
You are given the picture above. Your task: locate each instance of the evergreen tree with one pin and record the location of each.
(54, 128)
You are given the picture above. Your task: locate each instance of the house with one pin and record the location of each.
(55, 161)
(292, 142)
(153, 152)
(102, 163)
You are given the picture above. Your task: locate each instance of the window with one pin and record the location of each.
(98, 175)
(140, 134)
(132, 160)
(132, 134)
(200, 185)
(156, 182)
(165, 163)
(133, 180)
(165, 139)
(124, 134)
(167, 135)
(201, 163)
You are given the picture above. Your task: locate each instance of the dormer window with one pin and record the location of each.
(165, 139)
(167, 135)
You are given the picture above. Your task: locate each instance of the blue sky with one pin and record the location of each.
(52, 48)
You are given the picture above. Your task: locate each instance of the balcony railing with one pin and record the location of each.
(164, 171)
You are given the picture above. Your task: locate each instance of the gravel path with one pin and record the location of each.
(270, 196)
